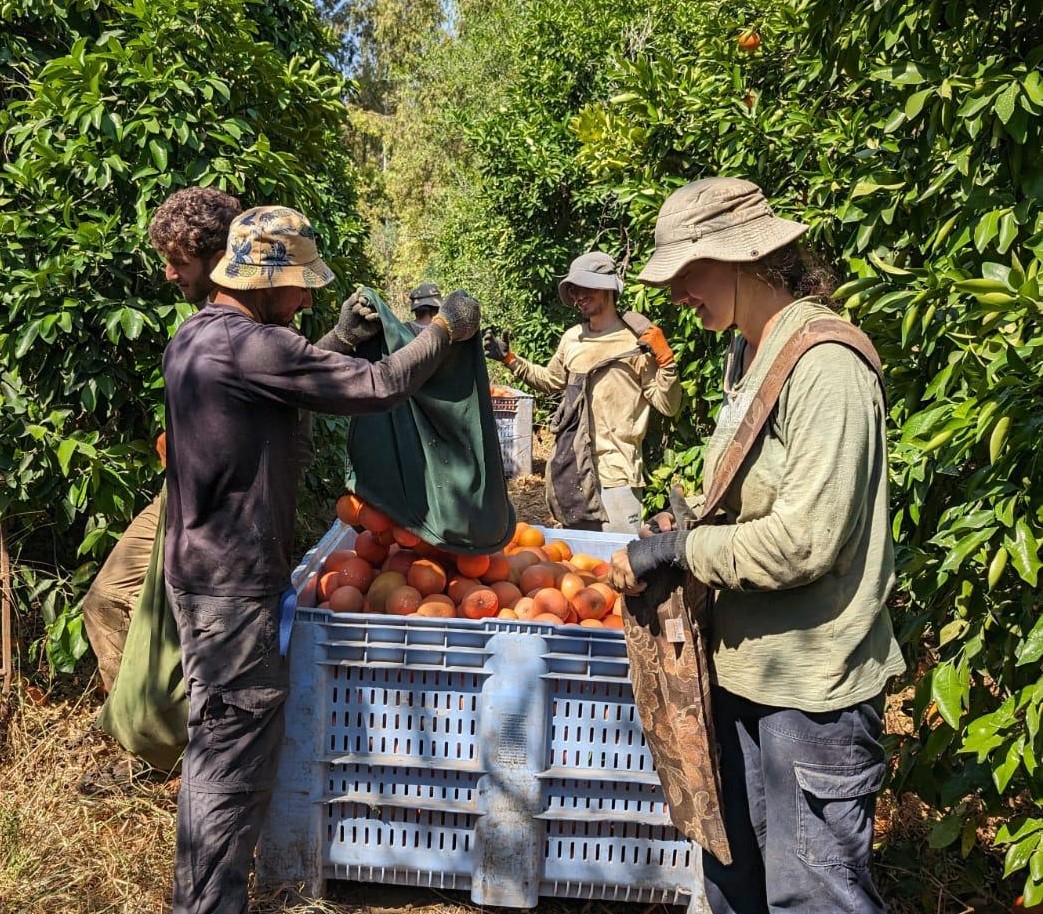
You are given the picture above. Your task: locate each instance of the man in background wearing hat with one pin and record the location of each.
(424, 301)
(236, 378)
(623, 367)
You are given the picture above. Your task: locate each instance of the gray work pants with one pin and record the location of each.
(237, 685)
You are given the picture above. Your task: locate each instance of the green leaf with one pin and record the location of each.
(965, 547)
(159, 154)
(1024, 551)
(945, 831)
(1031, 650)
(915, 102)
(132, 323)
(948, 690)
(66, 448)
(1006, 101)
(1005, 770)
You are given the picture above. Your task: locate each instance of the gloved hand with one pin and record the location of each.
(460, 315)
(497, 348)
(657, 551)
(655, 340)
(359, 321)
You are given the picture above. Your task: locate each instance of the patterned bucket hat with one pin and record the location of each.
(271, 246)
(715, 219)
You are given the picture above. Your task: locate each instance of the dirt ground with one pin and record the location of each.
(82, 833)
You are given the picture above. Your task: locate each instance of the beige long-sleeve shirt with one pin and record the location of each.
(804, 562)
(622, 397)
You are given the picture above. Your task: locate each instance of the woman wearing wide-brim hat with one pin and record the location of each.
(802, 562)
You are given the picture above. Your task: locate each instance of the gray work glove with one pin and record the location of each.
(460, 315)
(359, 321)
(497, 348)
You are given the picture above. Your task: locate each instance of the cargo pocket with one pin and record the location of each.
(835, 813)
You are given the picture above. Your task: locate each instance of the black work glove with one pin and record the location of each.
(460, 315)
(659, 561)
(662, 550)
(497, 348)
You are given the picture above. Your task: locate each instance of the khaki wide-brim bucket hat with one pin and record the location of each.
(715, 219)
(271, 246)
(593, 270)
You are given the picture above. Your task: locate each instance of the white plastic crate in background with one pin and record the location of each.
(514, 429)
(503, 758)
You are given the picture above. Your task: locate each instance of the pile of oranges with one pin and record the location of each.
(391, 570)
(495, 390)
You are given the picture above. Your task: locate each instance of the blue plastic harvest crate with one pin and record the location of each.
(503, 758)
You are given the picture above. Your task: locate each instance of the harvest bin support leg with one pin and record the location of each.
(290, 848)
(513, 739)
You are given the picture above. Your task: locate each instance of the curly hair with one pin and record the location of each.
(193, 222)
(797, 268)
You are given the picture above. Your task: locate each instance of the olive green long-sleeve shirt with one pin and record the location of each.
(622, 397)
(804, 560)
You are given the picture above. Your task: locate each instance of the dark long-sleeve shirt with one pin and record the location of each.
(233, 391)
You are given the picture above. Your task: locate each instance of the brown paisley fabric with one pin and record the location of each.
(667, 627)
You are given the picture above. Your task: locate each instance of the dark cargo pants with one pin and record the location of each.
(799, 797)
(237, 685)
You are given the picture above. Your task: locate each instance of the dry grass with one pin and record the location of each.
(62, 851)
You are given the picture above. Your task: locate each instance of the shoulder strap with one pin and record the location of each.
(823, 330)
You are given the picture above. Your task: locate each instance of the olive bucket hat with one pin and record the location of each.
(271, 246)
(715, 219)
(594, 270)
(426, 295)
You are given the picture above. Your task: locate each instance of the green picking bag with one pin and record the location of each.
(147, 711)
(433, 464)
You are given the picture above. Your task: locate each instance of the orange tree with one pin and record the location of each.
(107, 106)
(908, 134)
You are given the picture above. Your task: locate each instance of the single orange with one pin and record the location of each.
(346, 599)
(403, 601)
(530, 537)
(550, 600)
(374, 520)
(570, 585)
(336, 559)
(535, 577)
(348, 507)
(590, 604)
(480, 603)
(437, 605)
(472, 566)
(507, 593)
(426, 576)
(367, 547)
(499, 569)
(358, 573)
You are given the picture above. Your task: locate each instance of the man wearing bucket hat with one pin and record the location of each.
(614, 370)
(802, 560)
(236, 378)
(424, 301)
